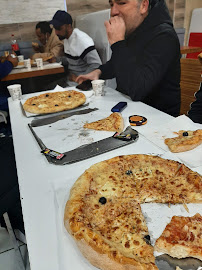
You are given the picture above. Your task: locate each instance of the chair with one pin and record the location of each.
(195, 40)
(93, 25)
(3, 116)
(190, 82)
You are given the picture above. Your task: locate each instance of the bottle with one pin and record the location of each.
(14, 45)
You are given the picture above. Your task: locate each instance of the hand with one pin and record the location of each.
(115, 29)
(35, 46)
(94, 75)
(14, 61)
(52, 60)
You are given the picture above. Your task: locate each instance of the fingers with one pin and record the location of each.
(80, 79)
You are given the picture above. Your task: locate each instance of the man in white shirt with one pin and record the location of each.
(79, 49)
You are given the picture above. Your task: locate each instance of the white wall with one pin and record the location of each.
(19, 11)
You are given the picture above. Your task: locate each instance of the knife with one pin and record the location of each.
(52, 119)
(90, 150)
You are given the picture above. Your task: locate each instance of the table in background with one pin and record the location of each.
(190, 49)
(22, 73)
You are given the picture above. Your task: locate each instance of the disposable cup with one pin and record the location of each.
(27, 63)
(98, 87)
(21, 58)
(39, 63)
(15, 91)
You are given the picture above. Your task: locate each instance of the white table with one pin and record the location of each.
(37, 177)
(22, 73)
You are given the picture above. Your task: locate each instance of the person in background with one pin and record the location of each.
(51, 45)
(145, 54)
(81, 56)
(9, 190)
(195, 113)
(6, 66)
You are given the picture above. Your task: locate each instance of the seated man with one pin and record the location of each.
(81, 56)
(195, 113)
(145, 54)
(51, 45)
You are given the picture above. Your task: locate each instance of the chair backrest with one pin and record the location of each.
(93, 25)
(195, 40)
(190, 82)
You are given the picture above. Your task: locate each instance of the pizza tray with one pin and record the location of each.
(58, 88)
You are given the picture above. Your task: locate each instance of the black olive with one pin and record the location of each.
(129, 172)
(147, 239)
(185, 133)
(47, 95)
(69, 96)
(102, 200)
(56, 105)
(33, 104)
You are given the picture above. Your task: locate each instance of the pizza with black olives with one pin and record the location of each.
(103, 212)
(52, 102)
(186, 140)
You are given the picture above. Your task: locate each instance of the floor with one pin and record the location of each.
(8, 261)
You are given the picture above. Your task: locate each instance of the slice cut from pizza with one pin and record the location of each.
(187, 140)
(182, 237)
(114, 122)
(51, 102)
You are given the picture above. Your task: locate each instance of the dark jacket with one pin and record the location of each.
(146, 65)
(5, 68)
(196, 108)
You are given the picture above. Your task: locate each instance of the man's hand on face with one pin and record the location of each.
(14, 61)
(115, 29)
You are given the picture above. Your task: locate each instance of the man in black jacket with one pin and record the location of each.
(145, 54)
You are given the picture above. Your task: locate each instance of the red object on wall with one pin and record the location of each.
(195, 40)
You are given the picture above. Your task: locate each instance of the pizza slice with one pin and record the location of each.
(114, 122)
(182, 237)
(187, 140)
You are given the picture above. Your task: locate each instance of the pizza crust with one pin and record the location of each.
(184, 143)
(114, 122)
(51, 102)
(125, 181)
(182, 237)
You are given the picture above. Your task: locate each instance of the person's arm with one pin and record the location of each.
(92, 59)
(139, 78)
(5, 68)
(195, 114)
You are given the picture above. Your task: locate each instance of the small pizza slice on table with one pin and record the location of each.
(114, 122)
(52, 102)
(186, 140)
(182, 237)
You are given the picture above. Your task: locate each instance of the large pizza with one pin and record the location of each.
(51, 102)
(103, 212)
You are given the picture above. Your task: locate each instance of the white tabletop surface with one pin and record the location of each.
(38, 180)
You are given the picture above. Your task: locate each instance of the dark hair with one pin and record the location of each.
(44, 27)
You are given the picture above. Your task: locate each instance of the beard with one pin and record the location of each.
(61, 37)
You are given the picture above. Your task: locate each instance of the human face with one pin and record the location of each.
(133, 12)
(41, 37)
(62, 32)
